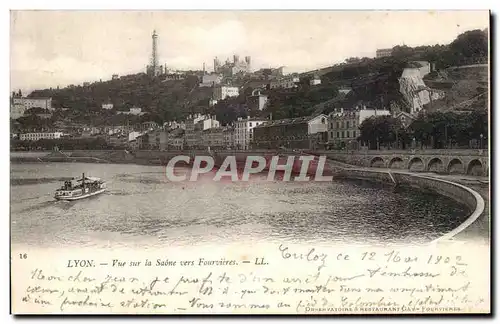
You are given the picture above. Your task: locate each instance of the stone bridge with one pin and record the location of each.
(470, 162)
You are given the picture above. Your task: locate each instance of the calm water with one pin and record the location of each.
(143, 209)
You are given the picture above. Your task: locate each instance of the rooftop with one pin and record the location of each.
(251, 119)
(288, 121)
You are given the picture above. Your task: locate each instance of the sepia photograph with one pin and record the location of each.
(250, 162)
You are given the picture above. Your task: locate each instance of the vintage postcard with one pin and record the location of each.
(250, 162)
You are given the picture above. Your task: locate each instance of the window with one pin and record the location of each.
(338, 125)
(322, 120)
(331, 125)
(331, 134)
(343, 134)
(250, 124)
(347, 134)
(347, 125)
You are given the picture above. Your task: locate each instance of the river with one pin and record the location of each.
(142, 209)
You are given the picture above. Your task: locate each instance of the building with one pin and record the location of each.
(213, 138)
(133, 145)
(177, 143)
(44, 116)
(243, 132)
(405, 119)
(257, 101)
(39, 136)
(384, 52)
(212, 102)
(149, 125)
(190, 129)
(345, 90)
(229, 69)
(17, 110)
(135, 111)
(293, 133)
(118, 140)
(139, 143)
(343, 126)
(210, 80)
(44, 103)
(195, 125)
(115, 77)
(223, 92)
(133, 135)
(174, 76)
(107, 106)
(209, 122)
(174, 125)
(175, 138)
(132, 111)
(157, 139)
(228, 134)
(315, 81)
(118, 129)
(288, 82)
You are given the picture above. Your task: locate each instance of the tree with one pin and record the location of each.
(442, 130)
(422, 131)
(381, 130)
(471, 44)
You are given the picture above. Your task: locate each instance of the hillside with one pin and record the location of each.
(374, 82)
(466, 88)
(168, 99)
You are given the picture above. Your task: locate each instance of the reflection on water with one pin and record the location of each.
(142, 207)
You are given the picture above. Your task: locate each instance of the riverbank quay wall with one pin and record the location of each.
(124, 156)
(470, 162)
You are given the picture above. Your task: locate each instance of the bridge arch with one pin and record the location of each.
(455, 166)
(416, 164)
(435, 165)
(377, 162)
(475, 168)
(396, 163)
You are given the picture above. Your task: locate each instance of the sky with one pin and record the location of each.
(58, 48)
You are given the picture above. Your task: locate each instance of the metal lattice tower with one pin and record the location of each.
(154, 54)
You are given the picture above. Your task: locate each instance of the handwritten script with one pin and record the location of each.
(287, 279)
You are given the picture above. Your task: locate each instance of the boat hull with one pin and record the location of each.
(87, 195)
